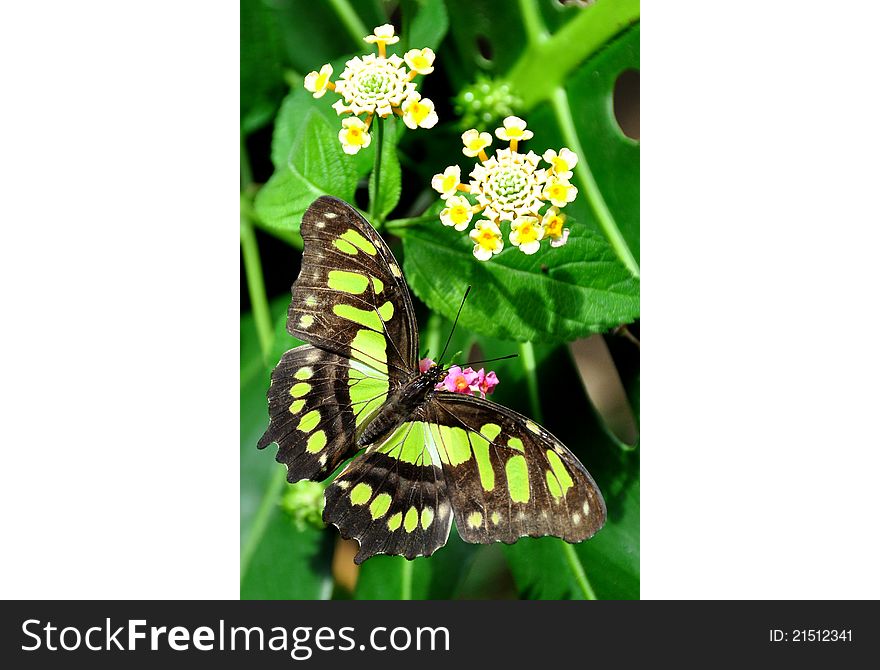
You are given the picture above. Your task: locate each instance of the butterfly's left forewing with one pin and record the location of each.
(508, 477)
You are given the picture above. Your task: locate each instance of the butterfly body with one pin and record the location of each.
(421, 456)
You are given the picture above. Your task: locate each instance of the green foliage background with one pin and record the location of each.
(559, 63)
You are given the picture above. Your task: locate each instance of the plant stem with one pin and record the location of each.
(411, 222)
(589, 30)
(376, 175)
(406, 580)
(577, 569)
(350, 19)
(527, 356)
(261, 518)
(536, 30)
(603, 215)
(253, 269)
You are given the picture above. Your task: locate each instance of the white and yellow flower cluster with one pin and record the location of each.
(377, 85)
(508, 187)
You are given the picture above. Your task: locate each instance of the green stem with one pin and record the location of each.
(536, 30)
(376, 175)
(411, 222)
(406, 580)
(588, 31)
(603, 215)
(261, 518)
(350, 19)
(527, 356)
(252, 267)
(577, 569)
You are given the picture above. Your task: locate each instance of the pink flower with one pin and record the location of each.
(486, 383)
(425, 364)
(458, 381)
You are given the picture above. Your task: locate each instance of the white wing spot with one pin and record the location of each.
(343, 484)
(322, 460)
(329, 215)
(395, 270)
(586, 508)
(306, 320)
(311, 301)
(576, 518)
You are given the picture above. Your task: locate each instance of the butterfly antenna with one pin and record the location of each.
(449, 339)
(490, 360)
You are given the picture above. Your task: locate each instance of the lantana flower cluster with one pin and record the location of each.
(508, 187)
(377, 85)
(467, 381)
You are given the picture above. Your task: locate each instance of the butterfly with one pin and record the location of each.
(421, 456)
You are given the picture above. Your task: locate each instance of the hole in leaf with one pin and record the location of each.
(626, 103)
(484, 46)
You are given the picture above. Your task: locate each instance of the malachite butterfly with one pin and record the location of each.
(421, 456)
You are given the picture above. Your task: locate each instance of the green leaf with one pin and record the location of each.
(585, 289)
(261, 63)
(389, 171)
(429, 25)
(316, 166)
(279, 561)
(292, 116)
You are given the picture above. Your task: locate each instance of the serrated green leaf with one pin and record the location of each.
(389, 183)
(295, 109)
(584, 289)
(316, 166)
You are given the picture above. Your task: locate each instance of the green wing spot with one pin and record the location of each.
(455, 443)
(345, 247)
(553, 485)
(380, 505)
(414, 444)
(481, 451)
(359, 241)
(516, 443)
(368, 346)
(386, 311)
(427, 517)
(309, 421)
(394, 521)
(495, 518)
(490, 431)
(304, 373)
(349, 282)
(565, 481)
(518, 478)
(317, 441)
(296, 406)
(366, 393)
(378, 286)
(361, 494)
(475, 519)
(362, 317)
(411, 520)
(300, 389)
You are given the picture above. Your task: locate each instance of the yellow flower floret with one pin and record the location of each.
(514, 130)
(418, 112)
(559, 192)
(446, 183)
(383, 33)
(318, 82)
(457, 213)
(553, 223)
(420, 61)
(475, 143)
(487, 240)
(354, 135)
(562, 163)
(526, 233)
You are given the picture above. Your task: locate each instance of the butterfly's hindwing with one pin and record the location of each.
(350, 297)
(392, 499)
(507, 477)
(316, 402)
